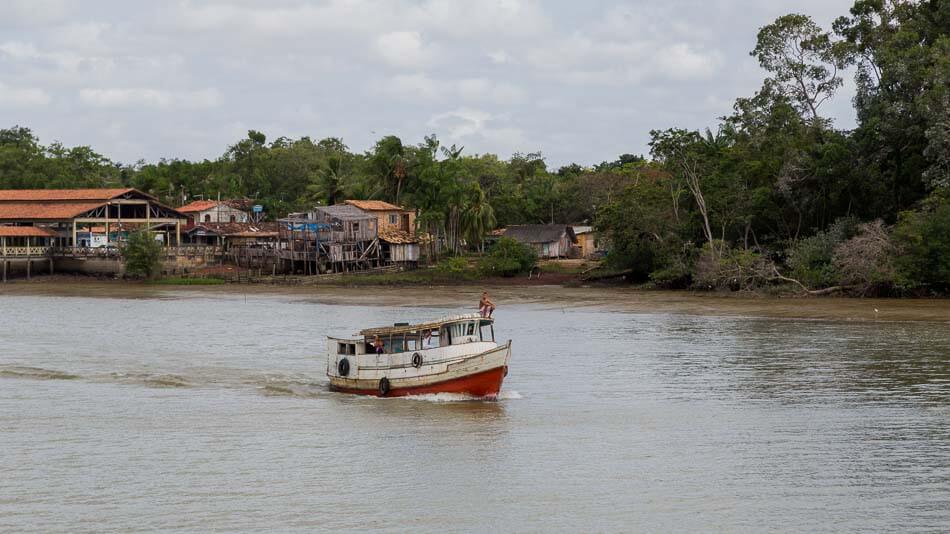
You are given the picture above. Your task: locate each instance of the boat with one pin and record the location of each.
(456, 354)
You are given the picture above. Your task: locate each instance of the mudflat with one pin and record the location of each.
(617, 299)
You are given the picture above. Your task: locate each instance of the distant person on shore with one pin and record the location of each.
(485, 306)
(378, 345)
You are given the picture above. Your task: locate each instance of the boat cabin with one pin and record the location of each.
(404, 337)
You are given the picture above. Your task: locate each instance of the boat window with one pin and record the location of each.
(471, 329)
(397, 343)
(486, 331)
(445, 339)
(430, 339)
(412, 341)
(341, 348)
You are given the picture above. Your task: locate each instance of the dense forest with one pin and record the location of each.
(771, 193)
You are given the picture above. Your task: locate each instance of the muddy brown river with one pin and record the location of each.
(133, 408)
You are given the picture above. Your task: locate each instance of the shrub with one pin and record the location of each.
(453, 265)
(728, 268)
(867, 258)
(142, 254)
(508, 257)
(811, 260)
(923, 239)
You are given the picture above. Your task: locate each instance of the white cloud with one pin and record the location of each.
(403, 49)
(149, 98)
(682, 62)
(500, 57)
(19, 97)
(465, 124)
(421, 86)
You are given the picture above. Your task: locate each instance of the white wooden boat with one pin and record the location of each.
(455, 354)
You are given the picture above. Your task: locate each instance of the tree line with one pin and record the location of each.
(771, 193)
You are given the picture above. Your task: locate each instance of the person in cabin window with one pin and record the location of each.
(378, 345)
(427, 340)
(485, 305)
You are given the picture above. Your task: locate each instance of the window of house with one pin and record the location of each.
(207, 217)
(233, 218)
(393, 219)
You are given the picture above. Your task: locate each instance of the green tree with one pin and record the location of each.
(802, 60)
(142, 254)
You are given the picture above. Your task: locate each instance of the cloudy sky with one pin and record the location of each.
(578, 80)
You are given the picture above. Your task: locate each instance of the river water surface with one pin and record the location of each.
(199, 411)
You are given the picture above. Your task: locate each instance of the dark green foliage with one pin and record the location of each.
(508, 257)
(811, 260)
(923, 238)
(142, 254)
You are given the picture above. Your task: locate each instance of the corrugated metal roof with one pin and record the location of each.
(25, 231)
(344, 212)
(47, 195)
(264, 229)
(373, 205)
(432, 325)
(539, 233)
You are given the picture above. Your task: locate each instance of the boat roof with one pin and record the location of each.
(431, 325)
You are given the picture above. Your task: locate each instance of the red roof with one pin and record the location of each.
(373, 205)
(25, 231)
(44, 210)
(47, 195)
(198, 205)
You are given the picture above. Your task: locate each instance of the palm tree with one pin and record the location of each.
(477, 217)
(327, 183)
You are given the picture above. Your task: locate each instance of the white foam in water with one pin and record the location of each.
(462, 397)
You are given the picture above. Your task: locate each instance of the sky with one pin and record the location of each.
(579, 81)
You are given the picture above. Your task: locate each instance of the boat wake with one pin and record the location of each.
(462, 397)
(34, 373)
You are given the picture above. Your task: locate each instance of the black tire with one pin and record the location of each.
(417, 360)
(343, 368)
(383, 386)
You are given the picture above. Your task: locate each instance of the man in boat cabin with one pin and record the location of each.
(486, 306)
(378, 345)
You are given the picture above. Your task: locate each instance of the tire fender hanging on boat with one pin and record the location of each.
(383, 386)
(343, 367)
(417, 360)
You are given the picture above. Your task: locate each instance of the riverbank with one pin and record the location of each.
(542, 294)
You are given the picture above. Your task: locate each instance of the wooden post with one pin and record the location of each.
(29, 260)
(4, 269)
(75, 237)
(178, 233)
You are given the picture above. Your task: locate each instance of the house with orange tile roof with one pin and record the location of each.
(389, 216)
(214, 212)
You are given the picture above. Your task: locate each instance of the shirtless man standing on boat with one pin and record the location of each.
(485, 306)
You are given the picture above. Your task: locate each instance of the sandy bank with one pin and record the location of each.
(619, 299)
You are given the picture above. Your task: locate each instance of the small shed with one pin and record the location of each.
(399, 246)
(549, 240)
(586, 240)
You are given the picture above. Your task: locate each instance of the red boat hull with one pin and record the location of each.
(483, 384)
